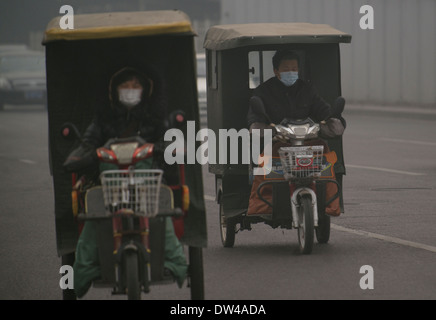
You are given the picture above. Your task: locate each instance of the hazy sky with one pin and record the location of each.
(19, 17)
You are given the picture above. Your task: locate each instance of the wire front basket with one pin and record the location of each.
(301, 162)
(131, 191)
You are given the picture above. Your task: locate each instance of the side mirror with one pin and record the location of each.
(338, 107)
(70, 132)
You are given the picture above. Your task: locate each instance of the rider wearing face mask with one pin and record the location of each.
(137, 108)
(286, 95)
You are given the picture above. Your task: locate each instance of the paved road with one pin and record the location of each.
(389, 224)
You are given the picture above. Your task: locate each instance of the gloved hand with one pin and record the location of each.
(80, 158)
(331, 128)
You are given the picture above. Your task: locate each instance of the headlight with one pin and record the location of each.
(105, 155)
(5, 84)
(144, 152)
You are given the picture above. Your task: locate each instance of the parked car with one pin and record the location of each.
(22, 78)
(4, 47)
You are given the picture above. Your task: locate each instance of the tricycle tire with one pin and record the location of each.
(68, 259)
(196, 273)
(132, 275)
(227, 230)
(306, 226)
(322, 232)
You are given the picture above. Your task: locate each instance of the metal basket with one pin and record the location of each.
(131, 191)
(301, 162)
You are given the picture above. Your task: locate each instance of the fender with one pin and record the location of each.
(132, 246)
(294, 203)
(143, 260)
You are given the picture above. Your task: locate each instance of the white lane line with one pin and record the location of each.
(424, 143)
(384, 170)
(385, 238)
(371, 235)
(27, 161)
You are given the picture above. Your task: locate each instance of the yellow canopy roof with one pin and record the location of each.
(119, 25)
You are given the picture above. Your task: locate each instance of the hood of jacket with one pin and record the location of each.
(153, 100)
(123, 75)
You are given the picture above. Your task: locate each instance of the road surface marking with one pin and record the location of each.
(27, 161)
(385, 238)
(370, 234)
(384, 170)
(424, 143)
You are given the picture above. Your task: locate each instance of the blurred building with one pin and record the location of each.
(395, 63)
(24, 21)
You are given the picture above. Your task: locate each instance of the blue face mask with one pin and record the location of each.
(288, 78)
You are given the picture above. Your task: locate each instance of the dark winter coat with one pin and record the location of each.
(298, 101)
(147, 120)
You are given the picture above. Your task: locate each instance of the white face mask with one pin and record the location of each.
(130, 97)
(288, 78)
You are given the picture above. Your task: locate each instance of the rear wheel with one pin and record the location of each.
(196, 273)
(305, 228)
(228, 229)
(323, 230)
(132, 275)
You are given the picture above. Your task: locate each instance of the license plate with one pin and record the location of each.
(33, 95)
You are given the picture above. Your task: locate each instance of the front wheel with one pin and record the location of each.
(132, 275)
(228, 229)
(306, 226)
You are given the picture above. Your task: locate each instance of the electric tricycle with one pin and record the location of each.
(306, 167)
(130, 207)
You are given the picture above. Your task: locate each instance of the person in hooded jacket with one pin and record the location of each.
(138, 108)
